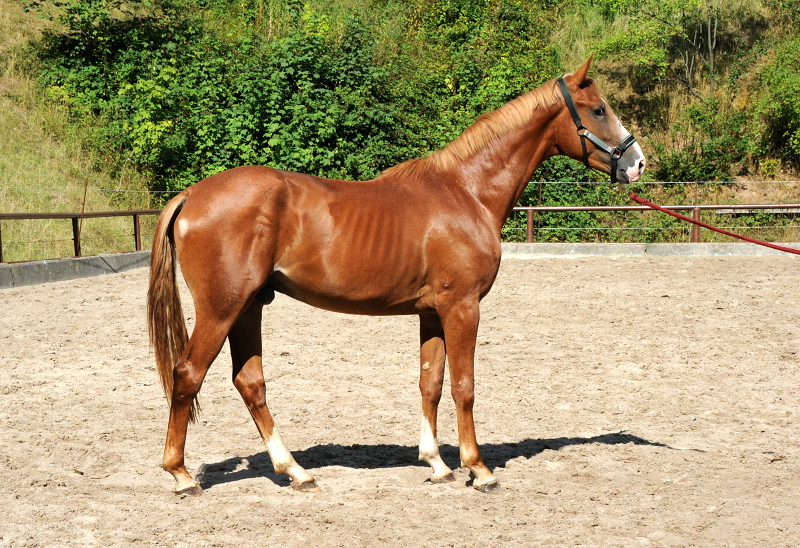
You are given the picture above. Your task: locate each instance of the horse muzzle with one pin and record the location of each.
(629, 166)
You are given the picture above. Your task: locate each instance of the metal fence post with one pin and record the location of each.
(76, 236)
(696, 228)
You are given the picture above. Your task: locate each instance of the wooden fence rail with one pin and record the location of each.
(696, 209)
(76, 217)
(531, 211)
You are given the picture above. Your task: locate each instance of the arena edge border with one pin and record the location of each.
(559, 250)
(57, 270)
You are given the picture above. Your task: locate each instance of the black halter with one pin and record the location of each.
(615, 152)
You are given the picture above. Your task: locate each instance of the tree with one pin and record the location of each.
(669, 38)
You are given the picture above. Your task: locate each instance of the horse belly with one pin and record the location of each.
(354, 279)
(360, 250)
(348, 294)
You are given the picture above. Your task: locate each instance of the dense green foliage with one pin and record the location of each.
(716, 140)
(184, 100)
(181, 89)
(780, 103)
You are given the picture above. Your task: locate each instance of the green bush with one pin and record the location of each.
(182, 99)
(779, 107)
(184, 103)
(710, 144)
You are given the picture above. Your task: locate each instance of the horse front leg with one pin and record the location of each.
(431, 377)
(460, 322)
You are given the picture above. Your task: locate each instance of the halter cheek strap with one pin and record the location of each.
(614, 152)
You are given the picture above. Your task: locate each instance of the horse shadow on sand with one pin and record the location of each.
(495, 455)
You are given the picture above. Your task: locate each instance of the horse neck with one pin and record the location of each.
(498, 174)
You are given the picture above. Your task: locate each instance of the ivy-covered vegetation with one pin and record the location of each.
(182, 89)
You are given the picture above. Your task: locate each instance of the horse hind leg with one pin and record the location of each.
(188, 374)
(248, 378)
(431, 378)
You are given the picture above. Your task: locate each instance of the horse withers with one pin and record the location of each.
(423, 238)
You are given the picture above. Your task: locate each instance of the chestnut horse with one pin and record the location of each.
(423, 238)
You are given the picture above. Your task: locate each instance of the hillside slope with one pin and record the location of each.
(44, 163)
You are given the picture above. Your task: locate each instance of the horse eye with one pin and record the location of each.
(600, 111)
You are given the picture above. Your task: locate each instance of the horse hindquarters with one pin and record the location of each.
(225, 248)
(220, 295)
(182, 363)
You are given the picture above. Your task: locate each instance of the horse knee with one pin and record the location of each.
(463, 398)
(430, 394)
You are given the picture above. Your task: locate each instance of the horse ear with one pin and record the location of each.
(579, 75)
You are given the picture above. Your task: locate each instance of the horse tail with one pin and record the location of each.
(166, 326)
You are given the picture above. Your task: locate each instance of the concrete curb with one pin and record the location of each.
(57, 270)
(541, 251)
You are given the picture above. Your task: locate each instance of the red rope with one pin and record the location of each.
(635, 197)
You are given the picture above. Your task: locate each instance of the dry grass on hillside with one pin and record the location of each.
(45, 168)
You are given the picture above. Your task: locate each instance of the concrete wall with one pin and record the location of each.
(56, 270)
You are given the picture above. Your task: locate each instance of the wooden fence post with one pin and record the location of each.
(696, 228)
(76, 236)
(137, 234)
(530, 226)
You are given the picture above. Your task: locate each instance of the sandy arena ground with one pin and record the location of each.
(620, 402)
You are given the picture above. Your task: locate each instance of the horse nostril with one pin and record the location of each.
(641, 165)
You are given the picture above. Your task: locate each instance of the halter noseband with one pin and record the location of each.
(615, 153)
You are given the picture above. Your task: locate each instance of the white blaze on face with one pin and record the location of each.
(638, 163)
(632, 161)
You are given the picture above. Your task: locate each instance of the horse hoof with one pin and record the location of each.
(307, 486)
(491, 486)
(191, 490)
(447, 478)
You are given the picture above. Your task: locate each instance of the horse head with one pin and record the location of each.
(600, 142)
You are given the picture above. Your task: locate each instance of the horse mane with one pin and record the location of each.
(485, 130)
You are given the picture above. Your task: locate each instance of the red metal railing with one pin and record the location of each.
(75, 217)
(696, 209)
